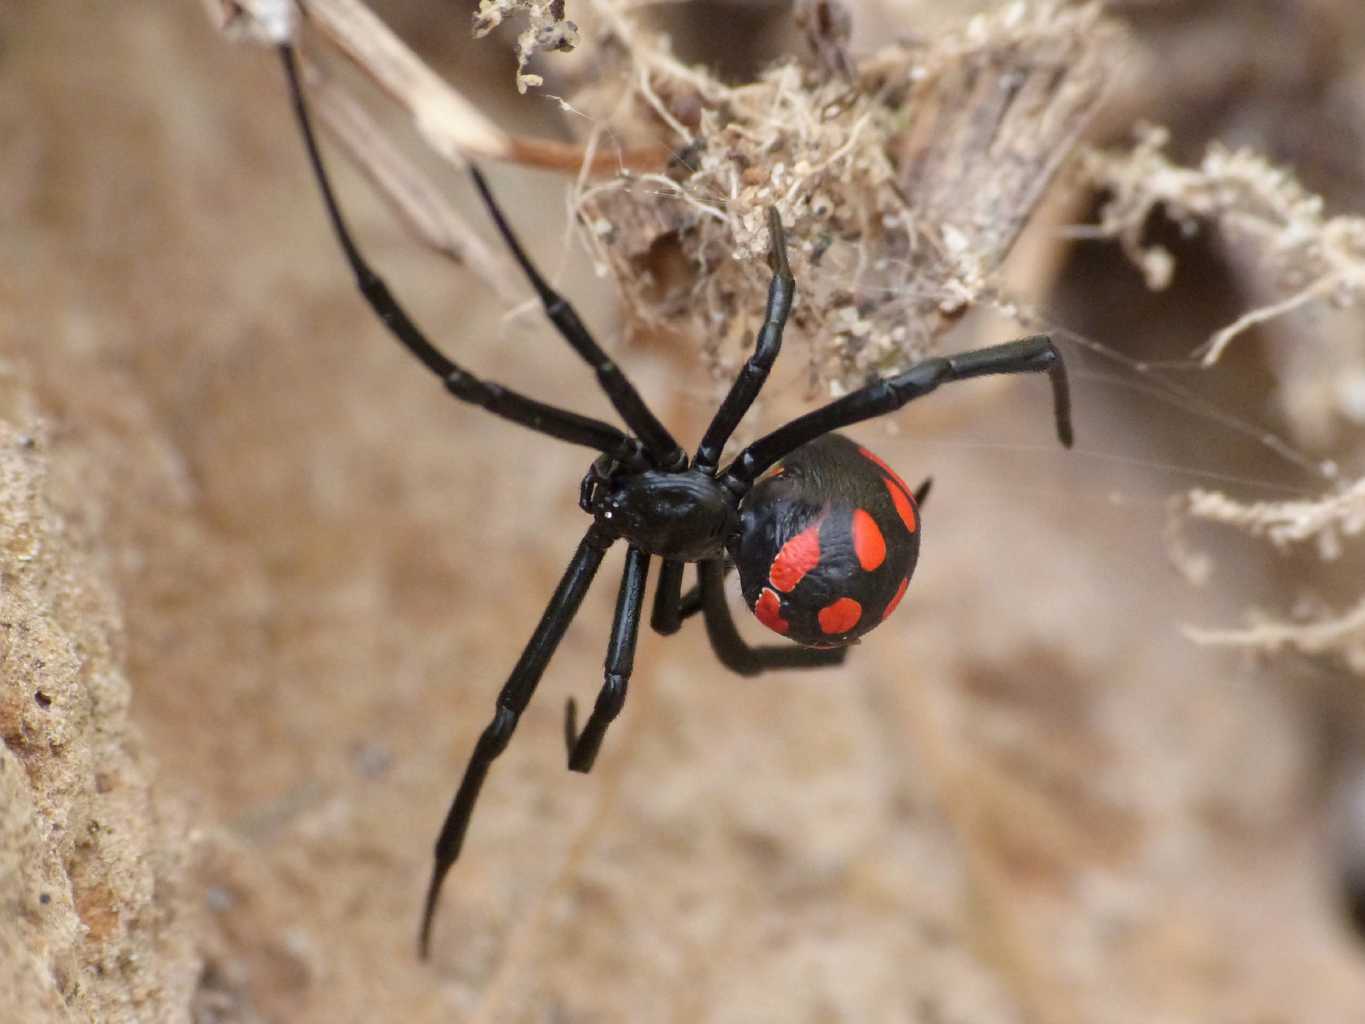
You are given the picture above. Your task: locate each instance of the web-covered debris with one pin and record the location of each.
(1313, 257)
(902, 178)
(547, 30)
(1296, 256)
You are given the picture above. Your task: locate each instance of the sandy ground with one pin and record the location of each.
(301, 573)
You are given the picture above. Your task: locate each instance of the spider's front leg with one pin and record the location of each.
(754, 374)
(512, 700)
(1035, 354)
(487, 394)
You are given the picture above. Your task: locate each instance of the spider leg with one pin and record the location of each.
(672, 607)
(730, 647)
(753, 375)
(663, 450)
(512, 700)
(666, 619)
(691, 602)
(625, 628)
(1036, 354)
(501, 401)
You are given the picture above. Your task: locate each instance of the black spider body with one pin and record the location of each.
(860, 521)
(827, 542)
(685, 515)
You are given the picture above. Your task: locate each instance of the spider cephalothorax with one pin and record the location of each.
(824, 533)
(685, 515)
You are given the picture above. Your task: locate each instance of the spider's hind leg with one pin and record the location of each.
(691, 602)
(730, 647)
(673, 606)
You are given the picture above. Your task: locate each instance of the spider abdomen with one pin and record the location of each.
(828, 541)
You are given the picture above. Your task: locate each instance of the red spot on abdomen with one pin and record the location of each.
(900, 493)
(841, 616)
(904, 507)
(768, 610)
(868, 543)
(885, 468)
(900, 592)
(798, 556)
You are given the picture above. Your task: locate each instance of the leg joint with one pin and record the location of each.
(499, 732)
(612, 697)
(468, 388)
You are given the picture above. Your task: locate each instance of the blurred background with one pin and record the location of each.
(264, 579)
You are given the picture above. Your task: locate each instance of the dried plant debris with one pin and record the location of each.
(1312, 628)
(902, 185)
(1284, 523)
(1294, 255)
(269, 22)
(1314, 258)
(827, 26)
(1315, 631)
(547, 30)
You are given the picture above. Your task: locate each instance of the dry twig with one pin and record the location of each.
(1328, 633)
(1327, 519)
(421, 205)
(447, 121)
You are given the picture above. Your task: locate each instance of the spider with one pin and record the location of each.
(824, 534)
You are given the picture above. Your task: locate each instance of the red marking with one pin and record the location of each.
(841, 616)
(900, 592)
(798, 556)
(888, 470)
(904, 505)
(868, 543)
(776, 471)
(769, 612)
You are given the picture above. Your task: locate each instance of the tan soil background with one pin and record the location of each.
(262, 581)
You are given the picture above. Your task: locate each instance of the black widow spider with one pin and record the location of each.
(824, 534)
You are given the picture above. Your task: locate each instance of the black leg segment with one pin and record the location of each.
(691, 603)
(663, 450)
(545, 419)
(666, 619)
(512, 701)
(1028, 355)
(672, 607)
(755, 371)
(625, 629)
